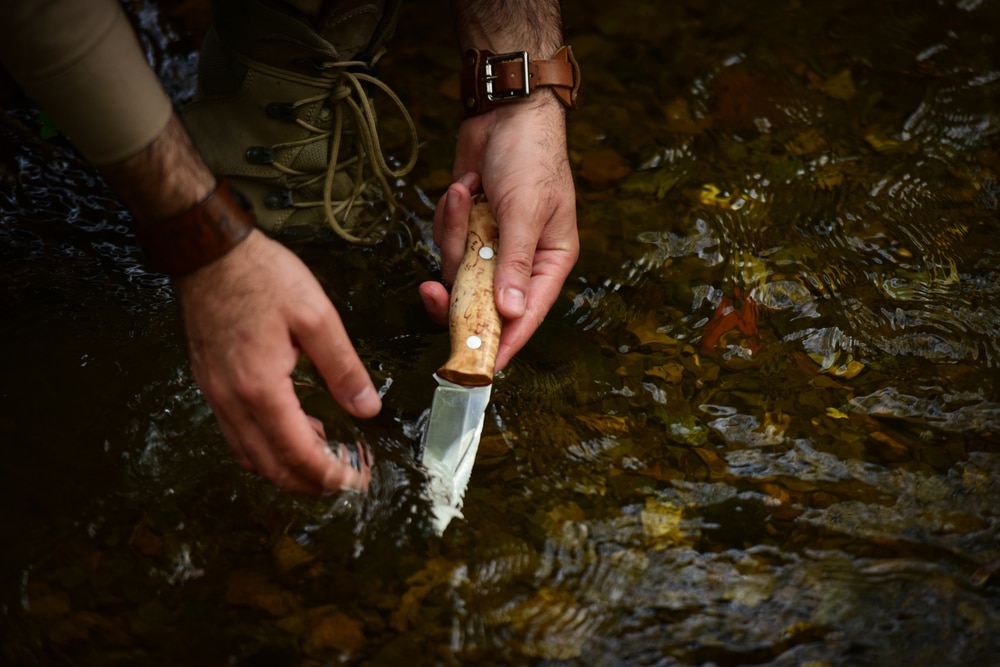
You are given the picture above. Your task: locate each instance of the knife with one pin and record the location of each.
(466, 378)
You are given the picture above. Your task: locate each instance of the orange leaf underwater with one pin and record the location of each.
(733, 313)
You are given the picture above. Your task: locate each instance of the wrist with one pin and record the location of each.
(540, 115)
(184, 243)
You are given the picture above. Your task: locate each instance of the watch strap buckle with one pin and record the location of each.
(489, 80)
(491, 74)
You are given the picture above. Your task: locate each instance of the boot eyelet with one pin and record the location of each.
(280, 199)
(285, 111)
(260, 155)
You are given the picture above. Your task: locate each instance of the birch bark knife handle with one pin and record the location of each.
(473, 321)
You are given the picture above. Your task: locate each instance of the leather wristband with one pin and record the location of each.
(489, 80)
(199, 236)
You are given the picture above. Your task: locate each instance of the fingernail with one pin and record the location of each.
(468, 180)
(451, 202)
(513, 302)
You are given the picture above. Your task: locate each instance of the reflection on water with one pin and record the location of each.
(759, 428)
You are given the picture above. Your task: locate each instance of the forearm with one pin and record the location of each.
(165, 178)
(502, 26)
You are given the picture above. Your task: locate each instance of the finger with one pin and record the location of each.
(436, 300)
(251, 451)
(270, 435)
(539, 245)
(359, 458)
(516, 333)
(223, 404)
(358, 462)
(519, 230)
(471, 144)
(231, 436)
(451, 225)
(438, 228)
(472, 181)
(289, 450)
(317, 426)
(321, 335)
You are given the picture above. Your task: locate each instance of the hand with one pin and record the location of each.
(520, 152)
(248, 316)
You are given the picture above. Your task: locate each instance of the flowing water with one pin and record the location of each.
(761, 426)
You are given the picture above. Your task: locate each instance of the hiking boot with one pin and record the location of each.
(285, 112)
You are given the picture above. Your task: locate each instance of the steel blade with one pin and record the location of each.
(450, 447)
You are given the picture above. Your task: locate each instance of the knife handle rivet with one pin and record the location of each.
(474, 342)
(486, 252)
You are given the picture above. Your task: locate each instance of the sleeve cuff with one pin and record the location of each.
(99, 90)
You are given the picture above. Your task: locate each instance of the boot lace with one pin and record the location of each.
(344, 86)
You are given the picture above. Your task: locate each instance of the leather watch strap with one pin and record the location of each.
(199, 236)
(489, 79)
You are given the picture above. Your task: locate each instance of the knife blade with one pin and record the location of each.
(466, 378)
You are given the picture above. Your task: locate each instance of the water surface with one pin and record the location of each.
(760, 427)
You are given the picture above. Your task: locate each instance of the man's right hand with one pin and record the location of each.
(248, 317)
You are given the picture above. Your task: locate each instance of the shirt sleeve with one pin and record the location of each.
(80, 61)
